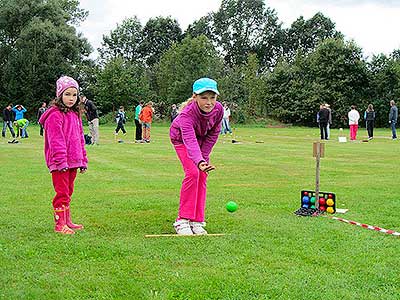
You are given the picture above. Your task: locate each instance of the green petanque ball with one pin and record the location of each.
(231, 206)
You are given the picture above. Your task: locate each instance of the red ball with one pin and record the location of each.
(323, 208)
(330, 196)
(322, 201)
(305, 193)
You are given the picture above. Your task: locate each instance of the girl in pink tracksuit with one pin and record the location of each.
(64, 150)
(194, 133)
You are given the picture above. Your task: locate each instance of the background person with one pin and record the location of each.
(138, 124)
(21, 126)
(393, 114)
(174, 112)
(121, 120)
(146, 117)
(225, 120)
(64, 149)
(92, 116)
(353, 116)
(19, 111)
(8, 119)
(323, 116)
(328, 126)
(193, 134)
(40, 112)
(369, 117)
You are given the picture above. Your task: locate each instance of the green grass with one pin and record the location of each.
(268, 253)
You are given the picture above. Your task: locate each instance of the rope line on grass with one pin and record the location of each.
(370, 227)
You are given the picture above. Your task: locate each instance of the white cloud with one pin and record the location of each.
(106, 14)
(372, 24)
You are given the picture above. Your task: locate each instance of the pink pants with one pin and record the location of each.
(353, 132)
(63, 183)
(192, 202)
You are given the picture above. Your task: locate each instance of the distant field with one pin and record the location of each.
(267, 253)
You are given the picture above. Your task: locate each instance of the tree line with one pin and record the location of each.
(263, 70)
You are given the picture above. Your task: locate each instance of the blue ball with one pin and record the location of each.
(305, 205)
(306, 200)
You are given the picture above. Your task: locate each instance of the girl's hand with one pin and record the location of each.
(205, 167)
(82, 170)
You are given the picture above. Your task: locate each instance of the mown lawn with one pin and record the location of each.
(267, 253)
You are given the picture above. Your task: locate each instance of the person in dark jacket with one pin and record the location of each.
(393, 118)
(369, 117)
(323, 122)
(93, 118)
(120, 119)
(40, 112)
(8, 119)
(174, 112)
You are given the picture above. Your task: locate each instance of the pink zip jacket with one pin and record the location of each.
(197, 130)
(64, 145)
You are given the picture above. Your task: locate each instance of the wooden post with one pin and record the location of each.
(318, 152)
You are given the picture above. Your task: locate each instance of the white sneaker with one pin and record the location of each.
(182, 227)
(198, 227)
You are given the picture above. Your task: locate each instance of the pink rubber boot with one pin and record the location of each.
(69, 222)
(60, 220)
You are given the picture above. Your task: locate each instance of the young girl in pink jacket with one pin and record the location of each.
(194, 133)
(64, 150)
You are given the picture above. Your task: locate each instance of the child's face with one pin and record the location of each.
(70, 96)
(206, 101)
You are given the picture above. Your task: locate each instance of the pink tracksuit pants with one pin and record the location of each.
(192, 202)
(63, 183)
(353, 131)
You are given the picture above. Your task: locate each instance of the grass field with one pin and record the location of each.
(267, 253)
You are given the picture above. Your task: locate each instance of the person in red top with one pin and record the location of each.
(146, 117)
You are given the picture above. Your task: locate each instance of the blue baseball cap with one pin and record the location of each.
(205, 84)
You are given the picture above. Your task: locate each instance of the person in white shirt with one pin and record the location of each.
(354, 116)
(225, 120)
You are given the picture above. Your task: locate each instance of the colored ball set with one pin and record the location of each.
(326, 201)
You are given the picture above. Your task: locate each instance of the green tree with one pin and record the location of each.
(247, 26)
(182, 64)
(202, 26)
(124, 41)
(305, 35)
(37, 45)
(334, 73)
(121, 83)
(253, 85)
(158, 36)
(384, 76)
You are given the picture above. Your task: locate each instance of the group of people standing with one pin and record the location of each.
(324, 119)
(143, 119)
(14, 116)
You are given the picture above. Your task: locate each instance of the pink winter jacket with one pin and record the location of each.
(64, 145)
(198, 131)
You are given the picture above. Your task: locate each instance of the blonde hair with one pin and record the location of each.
(184, 104)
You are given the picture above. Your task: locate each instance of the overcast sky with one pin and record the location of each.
(372, 24)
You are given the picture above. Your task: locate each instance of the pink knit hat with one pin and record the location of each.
(65, 82)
